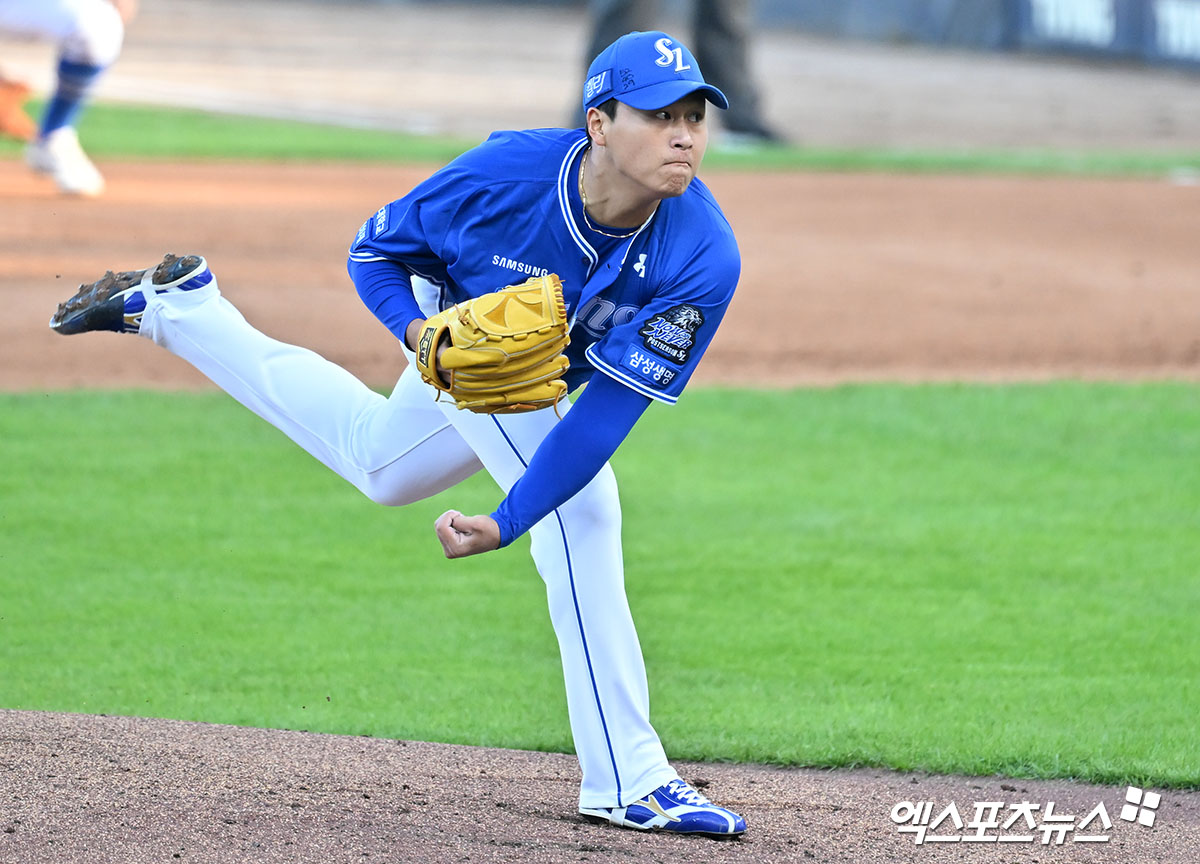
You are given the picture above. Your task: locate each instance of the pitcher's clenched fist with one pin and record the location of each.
(466, 535)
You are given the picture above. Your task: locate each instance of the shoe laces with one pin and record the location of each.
(686, 793)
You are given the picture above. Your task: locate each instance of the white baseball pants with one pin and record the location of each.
(406, 447)
(86, 31)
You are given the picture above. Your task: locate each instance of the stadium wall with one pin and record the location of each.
(1150, 31)
(1156, 32)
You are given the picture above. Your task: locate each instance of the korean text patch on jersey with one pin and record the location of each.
(645, 365)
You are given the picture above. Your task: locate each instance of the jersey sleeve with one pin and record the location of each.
(656, 352)
(385, 288)
(415, 231)
(429, 231)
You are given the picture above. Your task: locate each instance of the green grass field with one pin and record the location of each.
(127, 131)
(950, 578)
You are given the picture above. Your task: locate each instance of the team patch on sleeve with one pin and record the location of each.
(671, 334)
(647, 366)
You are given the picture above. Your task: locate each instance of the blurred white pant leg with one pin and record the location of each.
(86, 31)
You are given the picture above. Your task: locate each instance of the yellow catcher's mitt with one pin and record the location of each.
(504, 350)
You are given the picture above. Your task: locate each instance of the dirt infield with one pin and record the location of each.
(866, 277)
(89, 789)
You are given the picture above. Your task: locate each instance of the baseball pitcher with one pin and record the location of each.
(537, 262)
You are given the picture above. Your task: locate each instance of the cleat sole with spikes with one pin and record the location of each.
(116, 301)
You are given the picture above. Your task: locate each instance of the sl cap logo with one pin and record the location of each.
(668, 55)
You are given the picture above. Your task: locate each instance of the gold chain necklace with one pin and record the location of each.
(583, 198)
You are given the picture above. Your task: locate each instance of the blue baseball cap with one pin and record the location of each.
(647, 70)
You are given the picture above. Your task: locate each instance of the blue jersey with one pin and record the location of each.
(643, 307)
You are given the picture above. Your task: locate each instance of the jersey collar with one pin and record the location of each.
(566, 185)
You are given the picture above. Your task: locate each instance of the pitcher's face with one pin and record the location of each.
(659, 150)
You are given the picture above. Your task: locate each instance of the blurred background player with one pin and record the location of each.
(721, 36)
(89, 35)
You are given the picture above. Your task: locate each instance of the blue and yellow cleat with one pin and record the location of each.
(117, 300)
(674, 807)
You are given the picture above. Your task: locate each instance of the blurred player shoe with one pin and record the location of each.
(674, 807)
(14, 122)
(116, 301)
(60, 156)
